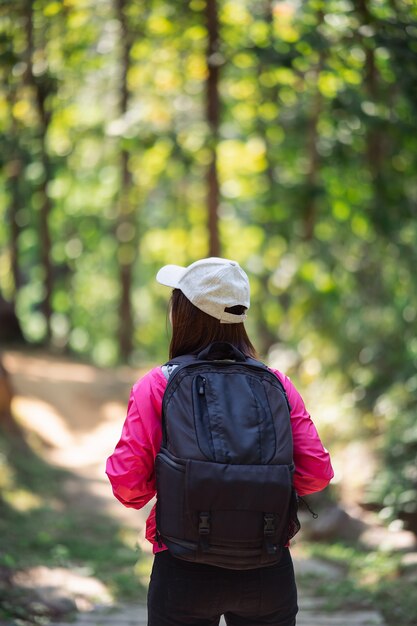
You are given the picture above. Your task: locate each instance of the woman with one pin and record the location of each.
(209, 303)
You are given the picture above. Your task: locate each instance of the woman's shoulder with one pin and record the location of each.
(153, 380)
(284, 380)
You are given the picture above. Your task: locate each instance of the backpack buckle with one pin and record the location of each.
(204, 524)
(269, 524)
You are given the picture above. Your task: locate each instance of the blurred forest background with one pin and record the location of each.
(282, 134)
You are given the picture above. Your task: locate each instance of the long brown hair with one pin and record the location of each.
(193, 330)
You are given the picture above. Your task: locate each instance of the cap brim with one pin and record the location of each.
(170, 275)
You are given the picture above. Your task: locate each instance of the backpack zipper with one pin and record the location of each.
(201, 386)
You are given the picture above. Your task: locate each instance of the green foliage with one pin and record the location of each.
(316, 158)
(395, 486)
(371, 579)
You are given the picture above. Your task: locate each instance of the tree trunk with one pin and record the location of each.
(267, 336)
(5, 392)
(376, 137)
(213, 118)
(374, 152)
(8, 425)
(41, 87)
(15, 167)
(10, 331)
(126, 231)
(45, 237)
(310, 207)
(14, 171)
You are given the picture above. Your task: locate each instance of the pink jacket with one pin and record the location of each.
(131, 467)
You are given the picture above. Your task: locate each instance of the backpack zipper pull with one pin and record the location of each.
(201, 386)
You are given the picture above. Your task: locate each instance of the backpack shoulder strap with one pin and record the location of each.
(169, 368)
(263, 366)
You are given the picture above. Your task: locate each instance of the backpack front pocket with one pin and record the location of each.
(244, 504)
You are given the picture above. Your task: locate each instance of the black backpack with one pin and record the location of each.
(224, 471)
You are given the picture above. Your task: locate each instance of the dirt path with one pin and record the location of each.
(78, 410)
(310, 614)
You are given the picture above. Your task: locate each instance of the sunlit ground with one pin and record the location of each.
(67, 406)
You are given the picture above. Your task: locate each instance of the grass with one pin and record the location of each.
(39, 526)
(371, 579)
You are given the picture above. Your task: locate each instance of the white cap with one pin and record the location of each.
(212, 285)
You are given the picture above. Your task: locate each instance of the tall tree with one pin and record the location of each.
(214, 61)
(14, 173)
(10, 330)
(126, 230)
(42, 86)
(6, 422)
(313, 156)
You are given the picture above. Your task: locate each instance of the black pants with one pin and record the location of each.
(182, 593)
